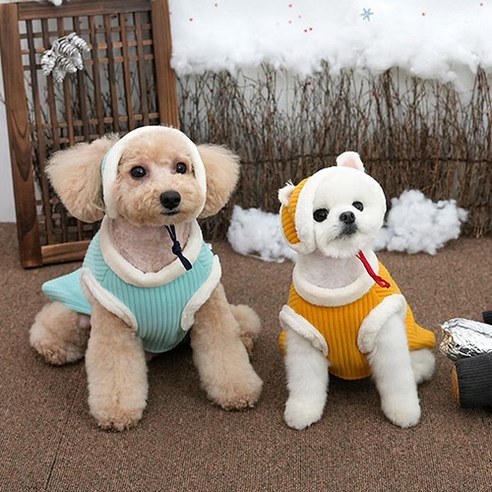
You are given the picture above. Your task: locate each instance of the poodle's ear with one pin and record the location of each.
(75, 174)
(222, 171)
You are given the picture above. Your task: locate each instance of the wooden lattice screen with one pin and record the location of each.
(126, 82)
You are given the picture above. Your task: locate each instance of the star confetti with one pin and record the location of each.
(366, 14)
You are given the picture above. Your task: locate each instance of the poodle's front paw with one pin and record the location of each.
(402, 411)
(238, 394)
(300, 414)
(116, 417)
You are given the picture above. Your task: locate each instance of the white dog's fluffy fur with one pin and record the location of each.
(327, 257)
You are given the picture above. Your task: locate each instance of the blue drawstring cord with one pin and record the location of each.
(176, 248)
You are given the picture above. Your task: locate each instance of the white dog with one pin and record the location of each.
(345, 315)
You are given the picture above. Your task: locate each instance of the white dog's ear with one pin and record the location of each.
(285, 193)
(222, 171)
(350, 159)
(75, 174)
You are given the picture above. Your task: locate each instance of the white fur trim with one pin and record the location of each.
(290, 319)
(303, 219)
(113, 156)
(394, 304)
(106, 299)
(321, 296)
(134, 276)
(201, 296)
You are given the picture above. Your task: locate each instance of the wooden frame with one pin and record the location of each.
(126, 82)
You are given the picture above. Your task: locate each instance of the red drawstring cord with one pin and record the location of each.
(379, 280)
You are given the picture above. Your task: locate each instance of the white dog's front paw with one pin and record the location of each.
(423, 365)
(300, 414)
(402, 411)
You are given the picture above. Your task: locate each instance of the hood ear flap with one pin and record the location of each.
(289, 196)
(285, 193)
(350, 159)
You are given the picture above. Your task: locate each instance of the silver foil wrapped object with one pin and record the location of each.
(465, 338)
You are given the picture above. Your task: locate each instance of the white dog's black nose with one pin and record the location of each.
(347, 217)
(170, 199)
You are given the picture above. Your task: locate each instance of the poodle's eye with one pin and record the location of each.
(358, 206)
(138, 172)
(320, 214)
(180, 167)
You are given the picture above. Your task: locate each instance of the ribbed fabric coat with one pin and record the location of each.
(160, 315)
(339, 326)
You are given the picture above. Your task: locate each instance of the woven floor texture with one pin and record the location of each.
(48, 440)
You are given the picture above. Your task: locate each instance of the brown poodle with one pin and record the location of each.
(147, 277)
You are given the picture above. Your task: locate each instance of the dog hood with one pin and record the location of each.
(296, 212)
(109, 166)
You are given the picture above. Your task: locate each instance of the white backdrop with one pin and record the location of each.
(7, 211)
(442, 39)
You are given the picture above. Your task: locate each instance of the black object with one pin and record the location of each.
(170, 199)
(473, 381)
(176, 248)
(487, 317)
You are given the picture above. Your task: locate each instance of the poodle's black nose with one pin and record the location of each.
(170, 199)
(347, 217)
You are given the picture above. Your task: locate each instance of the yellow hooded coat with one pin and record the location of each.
(339, 326)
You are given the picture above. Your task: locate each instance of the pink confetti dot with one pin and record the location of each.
(290, 5)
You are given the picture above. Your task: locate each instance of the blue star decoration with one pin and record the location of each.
(366, 14)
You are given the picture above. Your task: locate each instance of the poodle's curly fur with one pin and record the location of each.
(222, 335)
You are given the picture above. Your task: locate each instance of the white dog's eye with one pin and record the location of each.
(320, 214)
(358, 206)
(180, 167)
(138, 172)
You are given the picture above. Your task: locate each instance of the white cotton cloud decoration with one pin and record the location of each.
(57, 3)
(254, 232)
(441, 39)
(416, 224)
